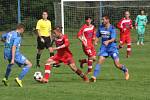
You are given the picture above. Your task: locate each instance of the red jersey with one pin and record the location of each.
(63, 41)
(125, 25)
(88, 33)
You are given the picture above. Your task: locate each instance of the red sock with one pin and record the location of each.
(90, 65)
(80, 73)
(47, 71)
(129, 49)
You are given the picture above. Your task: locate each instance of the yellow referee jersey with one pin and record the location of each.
(44, 27)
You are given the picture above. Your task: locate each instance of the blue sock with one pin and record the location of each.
(124, 69)
(24, 72)
(97, 70)
(8, 70)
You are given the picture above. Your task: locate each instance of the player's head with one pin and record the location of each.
(20, 28)
(105, 20)
(57, 31)
(45, 14)
(88, 20)
(142, 12)
(127, 14)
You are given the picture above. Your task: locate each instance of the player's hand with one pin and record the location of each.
(51, 49)
(42, 40)
(136, 27)
(95, 43)
(106, 43)
(12, 61)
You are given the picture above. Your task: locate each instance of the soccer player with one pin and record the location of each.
(44, 36)
(12, 53)
(87, 36)
(108, 48)
(125, 25)
(63, 55)
(140, 23)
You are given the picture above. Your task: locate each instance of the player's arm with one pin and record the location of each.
(80, 33)
(146, 20)
(131, 26)
(66, 44)
(113, 37)
(3, 37)
(98, 35)
(136, 22)
(13, 49)
(13, 54)
(50, 29)
(94, 36)
(120, 25)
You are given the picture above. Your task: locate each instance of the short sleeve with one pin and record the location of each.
(4, 36)
(16, 41)
(38, 25)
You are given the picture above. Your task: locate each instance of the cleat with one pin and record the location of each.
(93, 79)
(56, 65)
(43, 80)
(86, 79)
(5, 81)
(19, 82)
(38, 66)
(138, 43)
(142, 43)
(128, 56)
(126, 75)
(81, 63)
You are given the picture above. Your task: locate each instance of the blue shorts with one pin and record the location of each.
(19, 59)
(106, 52)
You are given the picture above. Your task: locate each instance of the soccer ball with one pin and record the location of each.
(38, 76)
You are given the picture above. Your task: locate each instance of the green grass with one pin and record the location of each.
(65, 85)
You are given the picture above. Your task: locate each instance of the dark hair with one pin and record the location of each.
(58, 28)
(87, 17)
(46, 11)
(106, 17)
(20, 25)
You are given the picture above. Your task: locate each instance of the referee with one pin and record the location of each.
(43, 28)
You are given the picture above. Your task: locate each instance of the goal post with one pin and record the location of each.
(71, 13)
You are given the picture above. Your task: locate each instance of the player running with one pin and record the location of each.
(140, 23)
(12, 54)
(125, 25)
(87, 36)
(63, 55)
(108, 48)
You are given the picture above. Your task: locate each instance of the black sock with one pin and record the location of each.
(51, 54)
(38, 59)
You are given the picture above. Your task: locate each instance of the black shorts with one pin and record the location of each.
(46, 44)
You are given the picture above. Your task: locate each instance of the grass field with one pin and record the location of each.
(65, 85)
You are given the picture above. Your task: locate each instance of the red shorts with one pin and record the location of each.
(66, 59)
(125, 39)
(89, 51)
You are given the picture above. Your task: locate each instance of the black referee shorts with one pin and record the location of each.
(46, 44)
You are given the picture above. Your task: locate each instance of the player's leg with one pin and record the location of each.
(48, 68)
(83, 61)
(122, 41)
(97, 69)
(40, 47)
(78, 72)
(142, 35)
(25, 69)
(138, 35)
(90, 63)
(8, 71)
(128, 40)
(122, 67)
